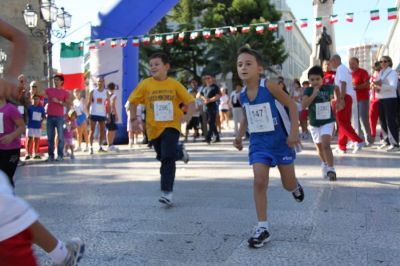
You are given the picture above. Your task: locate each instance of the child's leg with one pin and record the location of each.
(288, 177)
(85, 133)
(36, 142)
(320, 151)
(29, 146)
(79, 135)
(42, 237)
(326, 149)
(260, 184)
(17, 250)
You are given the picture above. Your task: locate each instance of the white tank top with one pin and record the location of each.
(98, 106)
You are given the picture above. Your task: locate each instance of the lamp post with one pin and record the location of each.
(49, 13)
(3, 59)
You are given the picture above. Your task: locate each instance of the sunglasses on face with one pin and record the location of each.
(34, 86)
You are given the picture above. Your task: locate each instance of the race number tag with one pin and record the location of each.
(1, 123)
(323, 111)
(36, 116)
(259, 118)
(99, 100)
(21, 109)
(163, 111)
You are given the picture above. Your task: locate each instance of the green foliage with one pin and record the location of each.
(217, 55)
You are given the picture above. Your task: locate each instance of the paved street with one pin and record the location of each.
(110, 201)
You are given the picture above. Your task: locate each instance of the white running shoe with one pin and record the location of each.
(358, 147)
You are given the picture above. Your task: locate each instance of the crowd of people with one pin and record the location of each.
(266, 112)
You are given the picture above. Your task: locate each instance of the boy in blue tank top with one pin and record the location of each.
(270, 144)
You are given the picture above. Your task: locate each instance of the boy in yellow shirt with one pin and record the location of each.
(161, 96)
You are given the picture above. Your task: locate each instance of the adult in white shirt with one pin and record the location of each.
(343, 80)
(386, 88)
(237, 110)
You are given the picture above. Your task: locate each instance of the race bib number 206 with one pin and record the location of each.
(163, 111)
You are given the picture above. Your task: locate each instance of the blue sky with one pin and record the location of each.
(361, 31)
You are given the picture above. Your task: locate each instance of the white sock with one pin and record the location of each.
(131, 141)
(59, 253)
(263, 224)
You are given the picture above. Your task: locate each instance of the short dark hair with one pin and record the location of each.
(59, 76)
(305, 82)
(248, 50)
(355, 59)
(111, 86)
(316, 70)
(163, 56)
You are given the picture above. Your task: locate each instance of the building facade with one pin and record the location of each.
(366, 54)
(11, 11)
(297, 46)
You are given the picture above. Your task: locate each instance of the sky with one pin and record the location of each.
(361, 31)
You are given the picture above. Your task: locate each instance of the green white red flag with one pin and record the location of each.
(392, 13)
(135, 41)
(289, 25)
(245, 29)
(219, 32)
(146, 40)
(72, 65)
(181, 36)
(318, 22)
(169, 38)
(194, 35)
(303, 23)
(349, 17)
(272, 26)
(206, 34)
(333, 19)
(374, 14)
(113, 43)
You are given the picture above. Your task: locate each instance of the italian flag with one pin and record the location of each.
(349, 17)
(303, 23)
(157, 40)
(245, 29)
(232, 29)
(181, 36)
(194, 35)
(72, 65)
(113, 43)
(219, 32)
(146, 40)
(333, 19)
(374, 14)
(260, 29)
(92, 45)
(102, 43)
(318, 22)
(392, 13)
(289, 25)
(170, 38)
(206, 34)
(135, 41)
(272, 26)
(123, 42)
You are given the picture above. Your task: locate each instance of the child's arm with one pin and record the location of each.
(278, 92)
(17, 132)
(237, 142)
(307, 100)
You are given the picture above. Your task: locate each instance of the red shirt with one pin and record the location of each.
(53, 108)
(361, 76)
(329, 78)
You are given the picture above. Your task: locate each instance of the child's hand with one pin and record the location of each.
(292, 140)
(7, 139)
(237, 143)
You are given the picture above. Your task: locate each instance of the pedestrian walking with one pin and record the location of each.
(36, 115)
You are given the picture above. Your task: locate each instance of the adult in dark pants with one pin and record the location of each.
(210, 94)
(386, 88)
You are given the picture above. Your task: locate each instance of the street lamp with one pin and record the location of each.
(3, 59)
(49, 13)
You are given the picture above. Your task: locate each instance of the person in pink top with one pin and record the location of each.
(12, 125)
(58, 98)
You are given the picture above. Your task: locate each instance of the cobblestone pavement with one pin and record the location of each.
(110, 201)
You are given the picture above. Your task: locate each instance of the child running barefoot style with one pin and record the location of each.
(322, 120)
(161, 96)
(269, 143)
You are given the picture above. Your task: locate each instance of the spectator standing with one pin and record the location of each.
(374, 101)
(361, 86)
(224, 107)
(386, 87)
(234, 103)
(210, 95)
(81, 121)
(113, 117)
(36, 114)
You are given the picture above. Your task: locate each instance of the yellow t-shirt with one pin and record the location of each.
(161, 99)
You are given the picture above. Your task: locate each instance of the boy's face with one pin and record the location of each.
(158, 69)
(315, 80)
(247, 67)
(35, 100)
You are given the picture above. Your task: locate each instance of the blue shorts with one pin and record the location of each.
(272, 159)
(81, 119)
